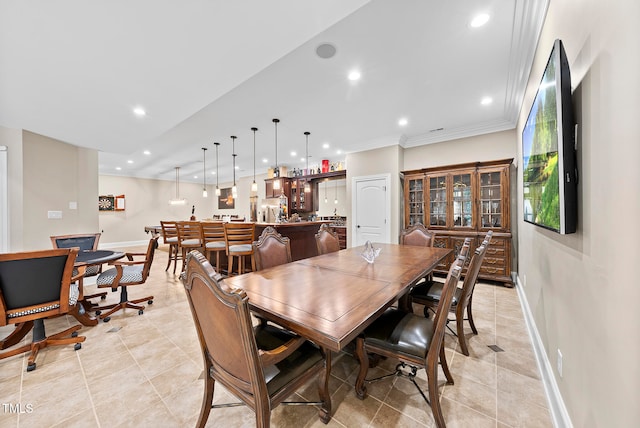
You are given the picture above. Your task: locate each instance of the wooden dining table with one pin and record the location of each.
(330, 299)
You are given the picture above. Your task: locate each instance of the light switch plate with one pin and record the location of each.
(54, 215)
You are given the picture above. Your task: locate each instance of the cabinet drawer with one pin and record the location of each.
(495, 252)
(493, 270)
(495, 262)
(495, 242)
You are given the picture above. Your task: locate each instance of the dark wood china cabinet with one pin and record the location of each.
(460, 201)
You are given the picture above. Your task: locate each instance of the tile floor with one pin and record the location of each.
(146, 371)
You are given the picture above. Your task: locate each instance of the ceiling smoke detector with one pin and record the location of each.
(326, 50)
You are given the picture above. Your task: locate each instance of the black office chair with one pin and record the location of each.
(33, 286)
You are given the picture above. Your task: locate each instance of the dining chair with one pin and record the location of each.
(213, 237)
(413, 340)
(189, 238)
(430, 294)
(170, 236)
(126, 273)
(327, 241)
(35, 285)
(238, 238)
(260, 366)
(271, 249)
(417, 235)
(85, 242)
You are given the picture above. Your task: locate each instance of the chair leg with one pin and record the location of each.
(323, 389)
(175, 258)
(470, 316)
(460, 332)
(207, 398)
(445, 366)
(432, 378)
(16, 335)
(169, 258)
(361, 389)
(230, 266)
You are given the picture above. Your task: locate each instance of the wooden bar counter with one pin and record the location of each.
(301, 234)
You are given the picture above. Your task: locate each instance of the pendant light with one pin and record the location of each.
(217, 187)
(307, 185)
(335, 201)
(254, 185)
(325, 191)
(204, 172)
(234, 189)
(276, 171)
(177, 200)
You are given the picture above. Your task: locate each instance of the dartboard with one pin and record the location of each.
(105, 203)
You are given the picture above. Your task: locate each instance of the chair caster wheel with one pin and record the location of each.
(150, 302)
(77, 346)
(140, 312)
(103, 297)
(107, 319)
(426, 313)
(98, 312)
(74, 334)
(31, 367)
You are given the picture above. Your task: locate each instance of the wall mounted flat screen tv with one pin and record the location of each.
(548, 151)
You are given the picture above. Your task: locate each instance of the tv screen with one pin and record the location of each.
(548, 151)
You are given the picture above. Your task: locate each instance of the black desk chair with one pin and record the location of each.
(33, 286)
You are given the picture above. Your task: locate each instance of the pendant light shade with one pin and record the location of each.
(217, 187)
(234, 189)
(307, 185)
(254, 185)
(276, 170)
(204, 172)
(177, 200)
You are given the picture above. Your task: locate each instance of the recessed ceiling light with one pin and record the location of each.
(338, 152)
(479, 20)
(354, 75)
(403, 121)
(213, 172)
(486, 101)
(301, 159)
(237, 167)
(294, 154)
(147, 152)
(265, 160)
(325, 146)
(139, 111)
(118, 168)
(195, 176)
(129, 161)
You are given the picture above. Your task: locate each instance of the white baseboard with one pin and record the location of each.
(558, 410)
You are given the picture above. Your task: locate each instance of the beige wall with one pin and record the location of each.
(386, 160)
(581, 287)
(147, 203)
(44, 175)
(487, 147)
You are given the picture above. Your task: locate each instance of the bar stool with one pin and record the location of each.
(170, 236)
(189, 238)
(238, 238)
(214, 242)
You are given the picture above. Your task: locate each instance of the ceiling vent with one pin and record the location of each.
(326, 50)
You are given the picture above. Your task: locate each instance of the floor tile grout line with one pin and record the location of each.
(86, 383)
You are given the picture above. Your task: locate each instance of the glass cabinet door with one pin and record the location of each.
(416, 201)
(462, 200)
(438, 201)
(490, 200)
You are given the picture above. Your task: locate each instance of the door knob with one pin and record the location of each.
(358, 226)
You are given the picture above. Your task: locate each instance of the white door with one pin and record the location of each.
(372, 214)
